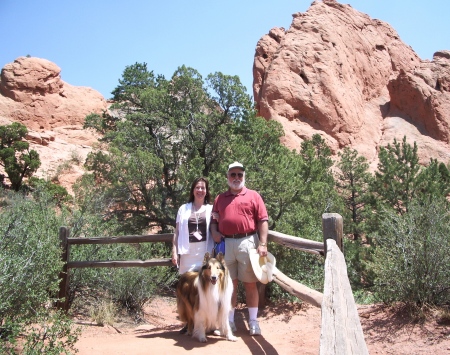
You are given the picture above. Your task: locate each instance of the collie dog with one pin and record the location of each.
(204, 299)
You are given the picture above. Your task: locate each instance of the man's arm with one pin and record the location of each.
(263, 229)
(214, 228)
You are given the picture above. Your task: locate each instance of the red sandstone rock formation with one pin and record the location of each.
(335, 71)
(32, 92)
(424, 96)
(350, 78)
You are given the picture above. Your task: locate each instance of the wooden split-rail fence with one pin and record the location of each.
(341, 331)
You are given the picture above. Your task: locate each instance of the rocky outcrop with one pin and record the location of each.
(424, 96)
(335, 71)
(349, 77)
(32, 93)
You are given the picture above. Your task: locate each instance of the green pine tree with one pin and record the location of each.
(353, 181)
(397, 180)
(16, 158)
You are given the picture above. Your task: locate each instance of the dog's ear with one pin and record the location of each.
(206, 258)
(219, 257)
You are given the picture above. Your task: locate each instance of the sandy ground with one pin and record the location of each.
(286, 329)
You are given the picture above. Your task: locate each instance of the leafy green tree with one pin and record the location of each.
(397, 180)
(16, 158)
(435, 180)
(164, 133)
(58, 193)
(318, 195)
(353, 183)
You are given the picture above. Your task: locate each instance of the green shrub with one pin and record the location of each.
(129, 287)
(51, 333)
(411, 258)
(56, 192)
(30, 261)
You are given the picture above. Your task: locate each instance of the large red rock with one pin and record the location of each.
(423, 96)
(34, 94)
(350, 78)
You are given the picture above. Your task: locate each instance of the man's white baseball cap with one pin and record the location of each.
(236, 165)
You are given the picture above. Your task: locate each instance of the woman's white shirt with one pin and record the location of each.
(184, 212)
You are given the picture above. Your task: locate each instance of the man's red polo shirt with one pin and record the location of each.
(239, 213)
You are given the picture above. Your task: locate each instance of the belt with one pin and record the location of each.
(240, 235)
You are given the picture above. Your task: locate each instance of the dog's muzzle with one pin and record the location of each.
(213, 279)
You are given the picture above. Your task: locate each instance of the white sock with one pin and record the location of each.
(252, 313)
(231, 315)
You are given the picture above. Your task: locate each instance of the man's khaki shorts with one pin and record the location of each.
(237, 257)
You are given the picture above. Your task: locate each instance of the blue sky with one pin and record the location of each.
(93, 41)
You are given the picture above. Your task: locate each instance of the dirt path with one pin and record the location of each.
(290, 329)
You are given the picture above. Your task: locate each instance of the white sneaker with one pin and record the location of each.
(254, 327)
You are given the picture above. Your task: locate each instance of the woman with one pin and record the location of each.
(192, 238)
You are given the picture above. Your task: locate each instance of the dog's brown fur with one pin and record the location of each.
(187, 298)
(204, 298)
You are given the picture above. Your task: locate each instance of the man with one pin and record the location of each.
(242, 217)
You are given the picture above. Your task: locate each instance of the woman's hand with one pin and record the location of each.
(175, 259)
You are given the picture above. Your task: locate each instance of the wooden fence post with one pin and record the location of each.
(333, 228)
(341, 332)
(63, 298)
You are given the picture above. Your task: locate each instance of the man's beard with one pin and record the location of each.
(236, 185)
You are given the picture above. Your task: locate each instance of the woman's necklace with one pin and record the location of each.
(197, 214)
(197, 234)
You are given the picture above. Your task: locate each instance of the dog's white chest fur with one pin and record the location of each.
(214, 306)
(204, 299)
(210, 302)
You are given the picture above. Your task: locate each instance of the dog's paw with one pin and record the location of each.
(202, 339)
(231, 337)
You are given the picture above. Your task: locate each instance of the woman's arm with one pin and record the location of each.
(175, 246)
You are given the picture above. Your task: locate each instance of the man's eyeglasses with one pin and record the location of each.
(233, 175)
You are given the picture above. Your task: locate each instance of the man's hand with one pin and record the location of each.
(262, 249)
(214, 229)
(217, 236)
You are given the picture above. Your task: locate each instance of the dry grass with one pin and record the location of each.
(103, 313)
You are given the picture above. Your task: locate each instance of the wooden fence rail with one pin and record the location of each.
(341, 329)
(306, 245)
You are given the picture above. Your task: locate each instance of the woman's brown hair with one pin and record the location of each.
(194, 183)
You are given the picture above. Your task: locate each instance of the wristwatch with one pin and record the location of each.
(263, 244)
